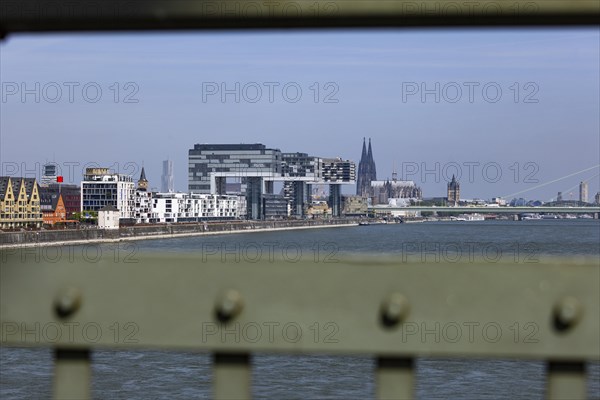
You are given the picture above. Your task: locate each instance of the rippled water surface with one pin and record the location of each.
(26, 373)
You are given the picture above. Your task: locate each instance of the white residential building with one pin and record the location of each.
(108, 218)
(189, 207)
(101, 188)
(143, 206)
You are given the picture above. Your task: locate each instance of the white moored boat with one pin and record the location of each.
(470, 217)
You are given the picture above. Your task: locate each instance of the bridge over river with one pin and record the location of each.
(384, 209)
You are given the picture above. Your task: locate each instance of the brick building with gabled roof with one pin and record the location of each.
(53, 208)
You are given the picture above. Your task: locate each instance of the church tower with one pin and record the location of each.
(142, 184)
(453, 191)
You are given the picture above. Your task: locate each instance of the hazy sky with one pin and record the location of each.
(545, 123)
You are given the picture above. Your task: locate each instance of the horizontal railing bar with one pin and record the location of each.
(390, 308)
(91, 15)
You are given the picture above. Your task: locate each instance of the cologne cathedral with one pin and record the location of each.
(381, 192)
(366, 171)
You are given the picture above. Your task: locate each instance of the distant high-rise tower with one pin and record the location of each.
(142, 184)
(367, 171)
(453, 191)
(166, 183)
(583, 192)
(49, 175)
(559, 197)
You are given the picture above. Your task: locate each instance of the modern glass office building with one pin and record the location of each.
(167, 182)
(210, 165)
(100, 188)
(337, 170)
(257, 167)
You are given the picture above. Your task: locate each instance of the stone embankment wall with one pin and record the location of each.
(144, 231)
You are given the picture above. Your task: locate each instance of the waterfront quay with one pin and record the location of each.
(156, 231)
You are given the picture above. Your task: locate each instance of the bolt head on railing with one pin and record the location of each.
(67, 302)
(567, 313)
(394, 309)
(229, 304)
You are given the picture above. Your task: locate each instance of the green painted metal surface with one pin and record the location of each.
(86, 15)
(546, 310)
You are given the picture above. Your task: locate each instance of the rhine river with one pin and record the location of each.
(26, 373)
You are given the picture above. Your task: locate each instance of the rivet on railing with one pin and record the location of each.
(67, 302)
(567, 313)
(229, 304)
(394, 309)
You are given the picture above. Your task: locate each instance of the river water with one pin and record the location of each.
(26, 373)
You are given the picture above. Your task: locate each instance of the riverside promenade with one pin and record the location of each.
(9, 240)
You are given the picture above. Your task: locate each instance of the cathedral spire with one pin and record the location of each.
(364, 150)
(361, 169)
(372, 168)
(366, 171)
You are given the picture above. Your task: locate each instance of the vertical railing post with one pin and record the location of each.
(72, 374)
(395, 378)
(231, 376)
(566, 380)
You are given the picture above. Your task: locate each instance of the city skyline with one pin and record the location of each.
(376, 78)
(69, 172)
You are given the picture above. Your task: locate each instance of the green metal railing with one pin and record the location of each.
(90, 15)
(391, 310)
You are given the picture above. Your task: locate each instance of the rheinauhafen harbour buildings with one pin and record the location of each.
(255, 168)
